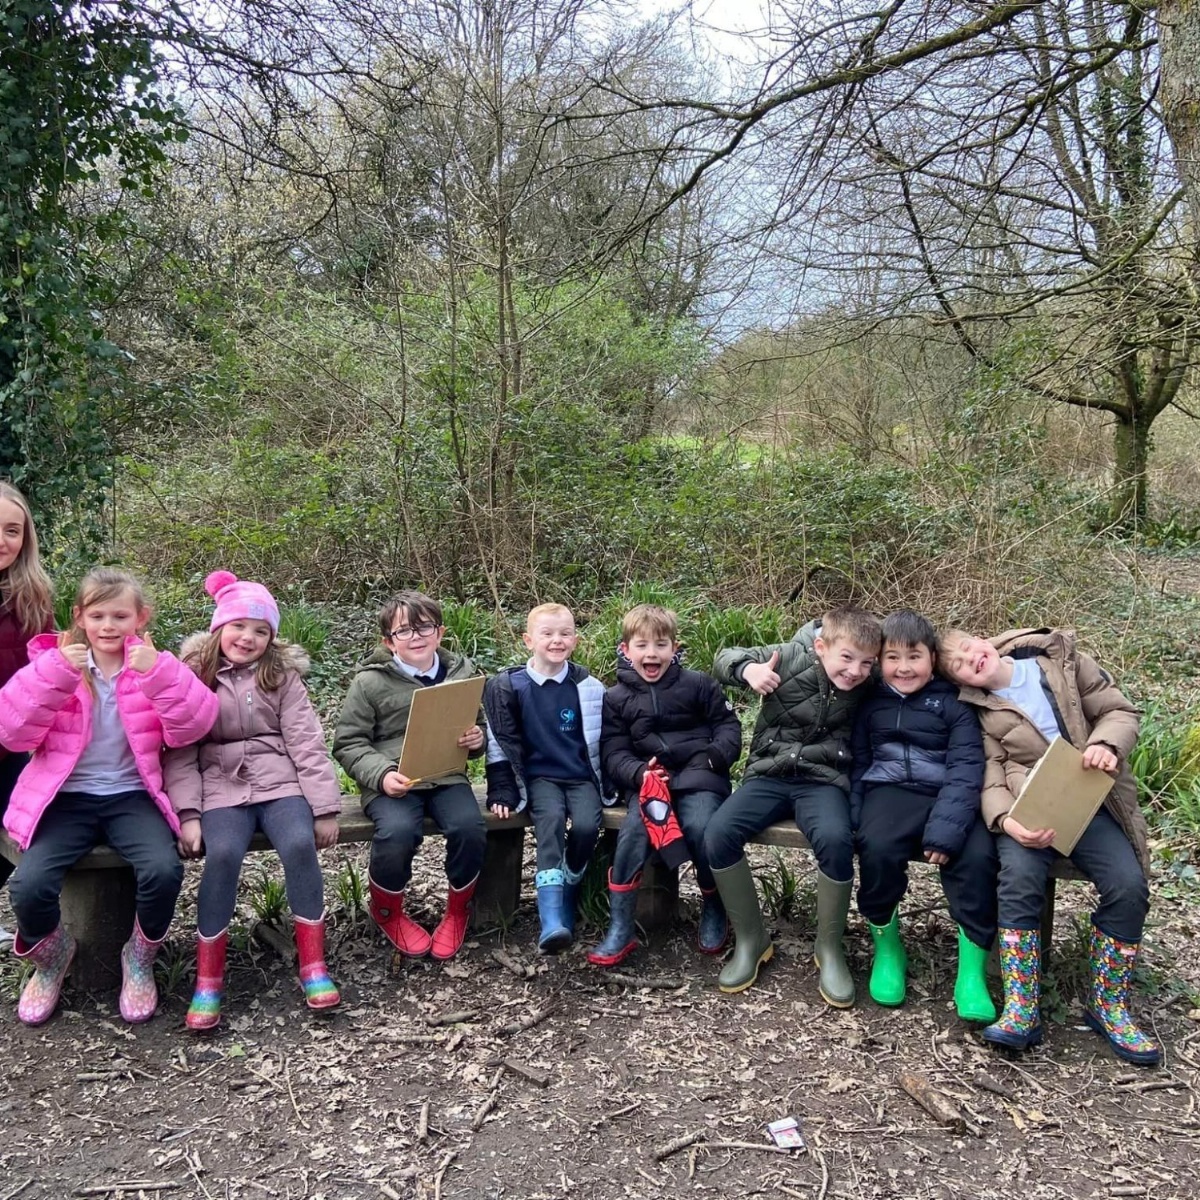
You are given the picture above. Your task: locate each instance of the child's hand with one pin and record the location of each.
(654, 767)
(472, 739)
(74, 652)
(937, 858)
(1033, 839)
(502, 810)
(762, 677)
(190, 842)
(325, 832)
(1100, 758)
(395, 784)
(142, 658)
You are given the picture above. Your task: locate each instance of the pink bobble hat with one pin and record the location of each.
(240, 600)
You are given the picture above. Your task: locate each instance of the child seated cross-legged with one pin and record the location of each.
(368, 741)
(918, 771)
(663, 719)
(94, 708)
(799, 767)
(544, 752)
(263, 767)
(1031, 686)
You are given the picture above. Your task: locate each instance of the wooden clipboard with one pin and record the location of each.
(1060, 794)
(439, 716)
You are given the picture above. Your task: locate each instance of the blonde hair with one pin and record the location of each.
(99, 586)
(25, 588)
(854, 625)
(548, 610)
(205, 661)
(651, 621)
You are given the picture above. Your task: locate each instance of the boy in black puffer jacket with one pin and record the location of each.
(915, 793)
(663, 719)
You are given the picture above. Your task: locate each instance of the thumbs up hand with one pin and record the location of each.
(142, 658)
(74, 652)
(762, 677)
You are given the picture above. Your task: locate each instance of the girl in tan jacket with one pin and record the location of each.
(263, 766)
(1031, 686)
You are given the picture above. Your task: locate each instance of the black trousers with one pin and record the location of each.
(398, 834)
(889, 837)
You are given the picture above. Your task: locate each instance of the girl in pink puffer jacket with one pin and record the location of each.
(94, 707)
(263, 767)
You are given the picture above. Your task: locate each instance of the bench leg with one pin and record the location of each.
(1048, 919)
(658, 897)
(98, 909)
(499, 888)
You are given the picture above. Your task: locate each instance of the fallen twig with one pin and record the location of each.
(604, 1118)
(437, 1179)
(126, 1185)
(677, 1144)
(988, 1084)
(453, 1018)
(18, 1189)
(287, 1075)
(537, 1078)
(423, 1123)
(528, 1021)
(644, 981)
(482, 1111)
(767, 1146)
(519, 969)
(933, 1102)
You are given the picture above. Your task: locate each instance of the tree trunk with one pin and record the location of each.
(1131, 448)
(1179, 91)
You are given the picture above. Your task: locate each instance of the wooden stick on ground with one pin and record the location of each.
(643, 981)
(933, 1102)
(677, 1144)
(453, 1018)
(528, 1021)
(482, 1111)
(126, 1185)
(423, 1123)
(274, 940)
(518, 968)
(519, 1068)
(437, 1179)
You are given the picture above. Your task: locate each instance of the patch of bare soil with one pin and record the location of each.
(435, 1081)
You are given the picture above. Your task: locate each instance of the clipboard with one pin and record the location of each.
(437, 719)
(1059, 794)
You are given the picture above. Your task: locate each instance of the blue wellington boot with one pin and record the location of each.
(571, 887)
(555, 935)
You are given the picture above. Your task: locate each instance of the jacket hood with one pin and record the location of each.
(295, 657)
(1044, 639)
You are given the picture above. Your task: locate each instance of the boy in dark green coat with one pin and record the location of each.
(369, 738)
(798, 767)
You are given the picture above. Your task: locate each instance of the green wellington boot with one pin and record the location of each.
(833, 903)
(971, 997)
(889, 963)
(753, 946)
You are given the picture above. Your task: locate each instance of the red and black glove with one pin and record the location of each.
(665, 835)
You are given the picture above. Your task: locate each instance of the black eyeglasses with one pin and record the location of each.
(405, 633)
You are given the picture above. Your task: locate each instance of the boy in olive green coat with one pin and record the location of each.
(367, 742)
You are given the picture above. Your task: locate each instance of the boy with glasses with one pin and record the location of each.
(367, 743)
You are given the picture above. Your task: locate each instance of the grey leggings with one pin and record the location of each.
(288, 825)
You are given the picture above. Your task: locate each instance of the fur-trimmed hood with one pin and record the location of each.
(295, 657)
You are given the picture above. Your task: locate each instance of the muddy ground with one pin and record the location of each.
(281, 1103)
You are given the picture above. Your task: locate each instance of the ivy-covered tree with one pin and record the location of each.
(83, 122)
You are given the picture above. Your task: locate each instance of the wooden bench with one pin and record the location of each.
(99, 892)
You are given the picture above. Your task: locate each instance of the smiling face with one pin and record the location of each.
(846, 664)
(244, 641)
(107, 623)
(12, 532)
(550, 638)
(907, 669)
(649, 654)
(974, 662)
(415, 639)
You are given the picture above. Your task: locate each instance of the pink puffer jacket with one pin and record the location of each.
(46, 708)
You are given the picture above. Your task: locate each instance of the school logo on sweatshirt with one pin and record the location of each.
(568, 720)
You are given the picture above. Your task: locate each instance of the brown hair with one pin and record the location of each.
(947, 642)
(854, 625)
(205, 661)
(650, 620)
(413, 606)
(25, 588)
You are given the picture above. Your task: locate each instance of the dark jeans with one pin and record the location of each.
(550, 803)
(73, 824)
(288, 825)
(398, 834)
(1103, 854)
(11, 765)
(693, 810)
(821, 811)
(890, 837)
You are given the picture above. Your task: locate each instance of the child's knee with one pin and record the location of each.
(162, 875)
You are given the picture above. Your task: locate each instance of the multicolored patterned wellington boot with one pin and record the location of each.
(319, 989)
(452, 928)
(887, 986)
(139, 993)
(972, 1000)
(1020, 1024)
(204, 1012)
(1107, 1010)
(51, 958)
